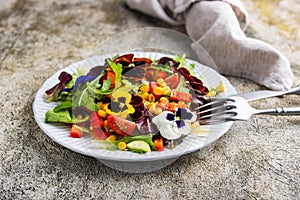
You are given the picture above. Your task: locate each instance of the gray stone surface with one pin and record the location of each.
(257, 159)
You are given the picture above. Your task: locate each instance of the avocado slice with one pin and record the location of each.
(139, 146)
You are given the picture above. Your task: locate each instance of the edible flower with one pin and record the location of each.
(172, 125)
(120, 106)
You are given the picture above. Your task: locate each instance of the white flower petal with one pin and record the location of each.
(186, 129)
(169, 133)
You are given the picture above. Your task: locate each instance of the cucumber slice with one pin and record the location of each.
(139, 146)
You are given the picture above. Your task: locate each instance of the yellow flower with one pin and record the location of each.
(120, 104)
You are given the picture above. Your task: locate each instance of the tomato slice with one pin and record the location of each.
(96, 121)
(99, 134)
(173, 80)
(121, 126)
(154, 74)
(180, 96)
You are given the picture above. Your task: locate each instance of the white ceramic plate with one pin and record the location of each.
(60, 132)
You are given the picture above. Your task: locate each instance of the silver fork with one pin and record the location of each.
(236, 108)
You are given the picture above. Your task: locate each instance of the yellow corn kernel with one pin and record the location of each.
(167, 90)
(182, 104)
(144, 88)
(111, 138)
(161, 82)
(122, 145)
(151, 98)
(151, 106)
(164, 99)
(158, 90)
(145, 95)
(102, 113)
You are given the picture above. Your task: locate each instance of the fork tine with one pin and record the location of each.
(212, 103)
(211, 112)
(222, 116)
(216, 111)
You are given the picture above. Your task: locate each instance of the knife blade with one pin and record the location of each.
(262, 94)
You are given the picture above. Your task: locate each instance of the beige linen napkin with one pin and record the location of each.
(218, 27)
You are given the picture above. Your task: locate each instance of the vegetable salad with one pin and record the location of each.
(130, 104)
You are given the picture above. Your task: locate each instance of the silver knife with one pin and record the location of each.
(262, 94)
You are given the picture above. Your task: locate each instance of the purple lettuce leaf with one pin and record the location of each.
(53, 92)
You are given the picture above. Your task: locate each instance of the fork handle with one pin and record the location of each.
(280, 111)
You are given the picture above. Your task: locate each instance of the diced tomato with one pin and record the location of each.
(75, 132)
(173, 80)
(164, 105)
(121, 126)
(159, 144)
(180, 96)
(151, 87)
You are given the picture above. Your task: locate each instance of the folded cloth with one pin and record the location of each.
(218, 27)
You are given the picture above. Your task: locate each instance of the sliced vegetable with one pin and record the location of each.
(180, 96)
(139, 146)
(121, 126)
(97, 127)
(146, 138)
(173, 80)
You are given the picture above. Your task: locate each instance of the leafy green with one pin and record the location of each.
(181, 87)
(70, 83)
(182, 61)
(63, 106)
(82, 97)
(63, 116)
(82, 70)
(104, 89)
(117, 68)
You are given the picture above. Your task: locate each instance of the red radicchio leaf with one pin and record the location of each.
(184, 72)
(171, 62)
(52, 93)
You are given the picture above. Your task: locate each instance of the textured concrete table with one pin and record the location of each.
(257, 159)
